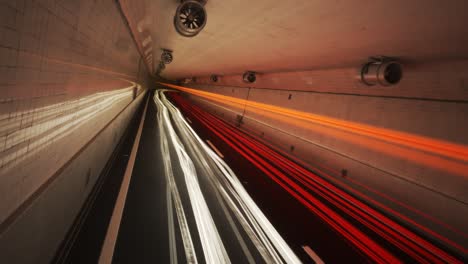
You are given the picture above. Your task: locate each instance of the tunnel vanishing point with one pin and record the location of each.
(187, 131)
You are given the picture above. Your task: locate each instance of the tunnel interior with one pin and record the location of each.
(186, 131)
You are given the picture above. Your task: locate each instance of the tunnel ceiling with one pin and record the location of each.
(269, 36)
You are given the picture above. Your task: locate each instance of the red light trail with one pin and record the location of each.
(326, 200)
(438, 154)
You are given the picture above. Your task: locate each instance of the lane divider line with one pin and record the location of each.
(313, 255)
(215, 149)
(107, 251)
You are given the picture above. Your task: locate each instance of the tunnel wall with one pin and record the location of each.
(430, 101)
(71, 78)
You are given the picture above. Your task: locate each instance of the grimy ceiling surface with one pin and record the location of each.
(289, 35)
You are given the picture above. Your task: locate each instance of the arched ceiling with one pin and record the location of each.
(270, 36)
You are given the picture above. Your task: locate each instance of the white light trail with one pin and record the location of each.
(212, 244)
(182, 219)
(25, 133)
(261, 232)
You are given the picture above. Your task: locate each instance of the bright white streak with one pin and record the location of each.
(170, 223)
(212, 244)
(184, 228)
(208, 171)
(39, 135)
(260, 230)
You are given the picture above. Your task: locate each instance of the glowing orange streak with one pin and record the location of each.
(386, 148)
(257, 148)
(434, 146)
(377, 145)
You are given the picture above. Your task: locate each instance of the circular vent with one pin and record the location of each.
(166, 57)
(392, 72)
(190, 18)
(249, 77)
(382, 72)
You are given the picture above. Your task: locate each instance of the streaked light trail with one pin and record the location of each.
(432, 152)
(328, 172)
(199, 163)
(50, 123)
(173, 193)
(327, 201)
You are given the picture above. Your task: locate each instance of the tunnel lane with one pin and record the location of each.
(218, 196)
(208, 215)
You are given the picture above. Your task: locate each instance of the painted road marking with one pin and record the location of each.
(215, 149)
(107, 251)
(312, 255)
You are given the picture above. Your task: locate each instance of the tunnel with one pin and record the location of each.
(235, 131)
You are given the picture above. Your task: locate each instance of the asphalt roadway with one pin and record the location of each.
(185, 205)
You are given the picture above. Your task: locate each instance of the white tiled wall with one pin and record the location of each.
(53, 56)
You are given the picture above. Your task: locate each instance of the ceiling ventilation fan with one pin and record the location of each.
(190, 17)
